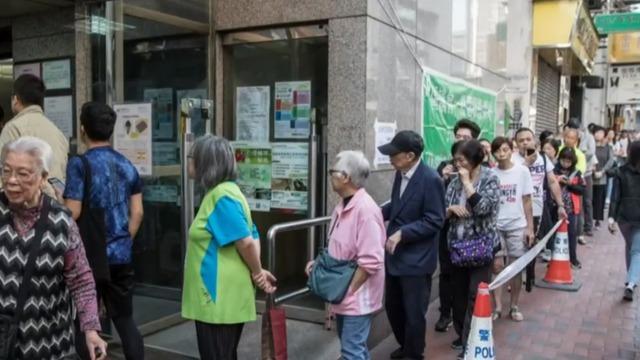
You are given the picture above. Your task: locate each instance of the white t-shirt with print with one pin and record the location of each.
(537, 171)
(514, 184)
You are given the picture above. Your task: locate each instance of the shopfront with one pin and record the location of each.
(565, 44)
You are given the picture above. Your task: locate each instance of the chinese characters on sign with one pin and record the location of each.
(252, 113)
(254, 173)
(292, 110)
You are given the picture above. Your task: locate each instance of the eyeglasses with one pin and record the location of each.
(337, 172)
(21, 175)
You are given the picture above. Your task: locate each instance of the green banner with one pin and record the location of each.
(618, 22)
(447, 100)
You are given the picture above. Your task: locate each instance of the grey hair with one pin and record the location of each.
(355, 165)
(214, 161)
(33, 146)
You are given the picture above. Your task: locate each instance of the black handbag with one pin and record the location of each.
(9, 322)
(93, 230)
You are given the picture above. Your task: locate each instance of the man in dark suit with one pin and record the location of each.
(416, 215)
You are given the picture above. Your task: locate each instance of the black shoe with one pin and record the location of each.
(460, 355)
(628, 294)
(457, 344)
(443, 324)
(588, 233)
(397, 354)
(597, 224)
(576, 265)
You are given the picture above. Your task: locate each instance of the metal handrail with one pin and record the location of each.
(271, 241)
(290, 226)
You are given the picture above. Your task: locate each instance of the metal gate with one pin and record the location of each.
(548, 97)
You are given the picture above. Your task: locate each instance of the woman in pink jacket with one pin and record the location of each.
(356, 233)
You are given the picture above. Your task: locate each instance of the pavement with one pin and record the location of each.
(593, 323)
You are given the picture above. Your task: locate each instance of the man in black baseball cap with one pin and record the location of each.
(412, 244)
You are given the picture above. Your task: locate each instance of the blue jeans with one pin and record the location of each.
(609, 188)
(631, 236)
(353, 332)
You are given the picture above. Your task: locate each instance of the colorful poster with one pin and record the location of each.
(290, 176)
(57, 74)
(447, 100)
(162, 101)
(198, 123)
(254, 173)
(292, 110)
(21, 69)
(132, 135)
(384, 132)
(252, 113)
(59, 109)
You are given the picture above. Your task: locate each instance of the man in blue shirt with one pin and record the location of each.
(115, 188)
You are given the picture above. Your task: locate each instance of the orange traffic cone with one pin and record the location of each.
(480, 341)
(559, 276)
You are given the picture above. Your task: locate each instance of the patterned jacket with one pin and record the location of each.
(483, 206)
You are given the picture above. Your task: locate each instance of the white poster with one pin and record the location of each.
(59, 109)
(21, 69)
(290, 176)
(623, 85)
(252, 113)
(162, 101)
(292, 110)
(132, 135)
(57, 74)
(384, 132)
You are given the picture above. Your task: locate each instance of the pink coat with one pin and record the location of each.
(357, 232)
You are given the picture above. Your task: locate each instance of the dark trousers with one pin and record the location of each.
(573, 237)
(406, 302)
(599, 198)
(587, 203)
(218, 341)
(445, 286)
(464, 296)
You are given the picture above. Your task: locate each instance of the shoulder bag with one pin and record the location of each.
(9, 324)
(93, 230)
(473, 252)
(330, 278)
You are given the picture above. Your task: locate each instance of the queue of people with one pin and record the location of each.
(474, 214)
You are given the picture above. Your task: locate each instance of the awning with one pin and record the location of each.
(564, 35)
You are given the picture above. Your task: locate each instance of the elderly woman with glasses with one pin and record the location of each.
(223, 254)
(357, 233)
(39, 240)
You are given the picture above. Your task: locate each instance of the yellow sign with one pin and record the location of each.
(624, 48)
(552, 22)
(584, 41)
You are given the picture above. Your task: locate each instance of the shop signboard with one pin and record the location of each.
(623, 84)
(254, 173)
(617, 22)
(584, 41)
(292, 110)
(624, 48)
(290, 176)
(132, 135)
(252, 113)
(447, 100)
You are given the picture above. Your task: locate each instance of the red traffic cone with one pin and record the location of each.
(480, 341)
(559, 275)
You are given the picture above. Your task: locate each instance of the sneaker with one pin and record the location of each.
(581, 240)
(443, 324)
(628, 294)
(515, 314)
(597, 225)
(457, 345)
(576, 265)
